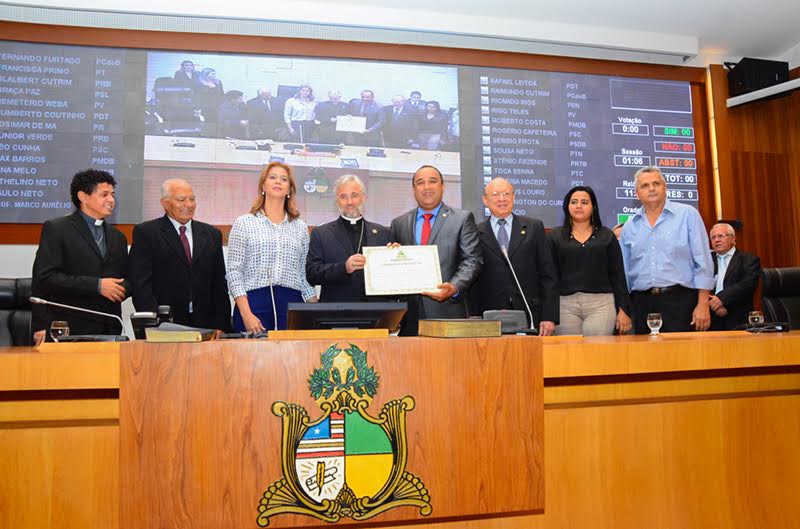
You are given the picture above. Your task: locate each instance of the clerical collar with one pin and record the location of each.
(91, 220)
(351, 221)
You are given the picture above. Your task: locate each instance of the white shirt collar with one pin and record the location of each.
(178, 225)
(351, 221)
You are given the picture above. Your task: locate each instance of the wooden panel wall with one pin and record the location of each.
(758, 145)
(29, 233)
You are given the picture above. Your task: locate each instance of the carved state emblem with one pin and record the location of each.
(346, 463)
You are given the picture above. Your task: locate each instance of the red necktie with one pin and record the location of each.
(426, 228)
(185, 243)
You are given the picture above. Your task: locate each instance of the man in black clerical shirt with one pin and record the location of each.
(335, 261)
(82, 261)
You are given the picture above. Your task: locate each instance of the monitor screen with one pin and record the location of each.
(216, 119)
(378, 315)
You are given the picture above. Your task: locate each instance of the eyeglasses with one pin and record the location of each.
(715, 237)
(503, 194)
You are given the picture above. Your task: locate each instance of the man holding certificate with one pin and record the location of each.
(335, 254)
(455, 236)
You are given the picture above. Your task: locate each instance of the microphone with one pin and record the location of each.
(504, 251)
(40, 301)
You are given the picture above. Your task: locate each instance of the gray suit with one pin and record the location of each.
(460, 259)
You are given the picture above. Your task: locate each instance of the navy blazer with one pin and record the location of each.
(533, 263)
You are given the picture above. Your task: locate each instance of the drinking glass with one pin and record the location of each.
(59, 329)
(654, 322)
(756, 317)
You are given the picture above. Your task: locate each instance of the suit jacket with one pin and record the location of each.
(460, 260)
(371, 112)
(327, 129)
(264, 122)
(528, 251)
(400, 132)
(328, 250)
(161, 274)
(67, 270)
(739, 285)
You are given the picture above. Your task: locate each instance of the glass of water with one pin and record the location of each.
(756, 317)
(654, 322)
(59, 329)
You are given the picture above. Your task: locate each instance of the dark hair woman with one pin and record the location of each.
(594, 293)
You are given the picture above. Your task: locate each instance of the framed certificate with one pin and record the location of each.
(401, 270)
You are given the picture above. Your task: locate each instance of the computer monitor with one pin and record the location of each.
(369, 315)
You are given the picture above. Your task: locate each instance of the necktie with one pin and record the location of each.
(185, 243)
(426, 228)
(396, 114)
(502, 234)
(722, 267)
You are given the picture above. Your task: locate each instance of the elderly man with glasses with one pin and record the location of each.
(523, 240)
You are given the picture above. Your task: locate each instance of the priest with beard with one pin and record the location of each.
(335, 260)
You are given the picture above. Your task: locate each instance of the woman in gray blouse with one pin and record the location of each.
(267, 251)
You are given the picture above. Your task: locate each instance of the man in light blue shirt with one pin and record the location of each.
(667, 261)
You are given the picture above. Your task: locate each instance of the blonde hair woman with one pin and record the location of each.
(267, 251)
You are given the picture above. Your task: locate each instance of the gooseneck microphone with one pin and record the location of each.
(504, 251)
(40, 301)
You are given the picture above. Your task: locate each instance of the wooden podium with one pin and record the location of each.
(201, 439)
(689, 430)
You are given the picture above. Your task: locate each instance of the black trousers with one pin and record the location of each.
(676, 307)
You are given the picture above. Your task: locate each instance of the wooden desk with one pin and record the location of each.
(684, 431)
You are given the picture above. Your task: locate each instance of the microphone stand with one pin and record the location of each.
(504, 251)
(40, 301)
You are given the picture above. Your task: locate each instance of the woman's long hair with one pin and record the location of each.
(595, 218)
(310, 91)
(289, 203)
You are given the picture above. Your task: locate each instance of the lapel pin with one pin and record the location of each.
(522, 232)
(374, 231)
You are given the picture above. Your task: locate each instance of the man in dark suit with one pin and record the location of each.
(399, 124)
(232, 116)
(82, 261)
(327, 113)
(415, 103)
(335, 261)
(370, 109)
(453, 231)
(177, 261)
(265, 115)
(524, 240)
(736, 273)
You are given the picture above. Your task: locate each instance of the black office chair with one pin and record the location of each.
(15, 312)
(780, 294)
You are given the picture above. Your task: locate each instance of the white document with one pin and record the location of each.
(351, 124)
(401, 270)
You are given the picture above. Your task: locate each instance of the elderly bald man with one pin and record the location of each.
(177, 261)
(736, 273)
